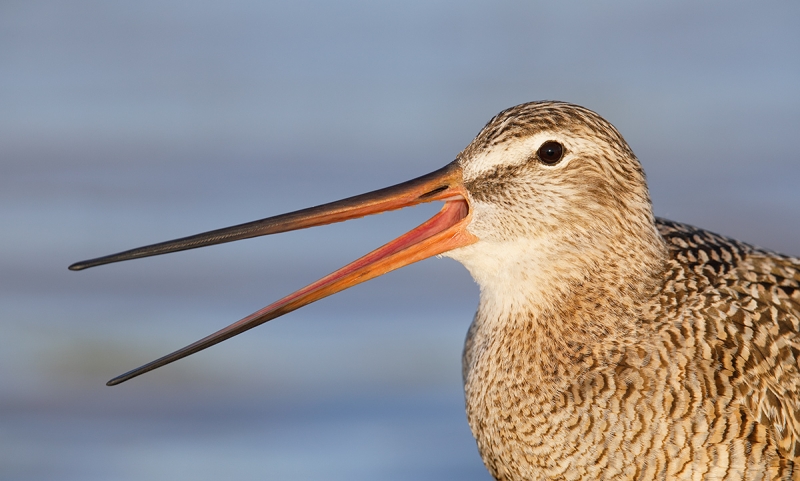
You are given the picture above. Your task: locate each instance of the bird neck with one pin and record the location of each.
(552, 307)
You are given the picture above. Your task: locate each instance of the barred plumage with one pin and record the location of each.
(609, 344)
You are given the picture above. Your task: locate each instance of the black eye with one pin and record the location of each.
(550, 152)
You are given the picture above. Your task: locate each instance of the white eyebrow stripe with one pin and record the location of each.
(517, 151)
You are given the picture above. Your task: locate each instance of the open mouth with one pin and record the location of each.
(443, 232)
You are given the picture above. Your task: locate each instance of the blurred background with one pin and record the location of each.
(127, 123)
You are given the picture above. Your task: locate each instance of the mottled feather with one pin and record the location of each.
(609, 344)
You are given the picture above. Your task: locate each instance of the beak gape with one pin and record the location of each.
(443, 232)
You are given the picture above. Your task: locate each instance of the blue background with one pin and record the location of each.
(127, 123)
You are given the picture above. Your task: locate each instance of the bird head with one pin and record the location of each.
(555, 195)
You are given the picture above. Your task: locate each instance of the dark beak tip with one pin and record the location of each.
(119, 379)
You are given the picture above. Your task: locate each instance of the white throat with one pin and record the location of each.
(520, 275)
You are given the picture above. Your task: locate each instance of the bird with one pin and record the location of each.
(608, 344)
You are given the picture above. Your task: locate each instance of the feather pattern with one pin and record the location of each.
(609, 344)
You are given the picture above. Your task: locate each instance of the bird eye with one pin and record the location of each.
(550, 152)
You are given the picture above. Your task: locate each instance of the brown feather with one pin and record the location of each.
(641, 348)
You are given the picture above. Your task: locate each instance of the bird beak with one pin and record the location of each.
(443, 232)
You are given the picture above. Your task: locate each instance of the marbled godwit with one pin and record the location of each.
(607, 344)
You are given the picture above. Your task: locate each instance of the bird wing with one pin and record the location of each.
(753, 313)
(768, 288)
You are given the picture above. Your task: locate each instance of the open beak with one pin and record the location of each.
(443, 232)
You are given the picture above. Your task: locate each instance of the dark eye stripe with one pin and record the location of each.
(494, 184)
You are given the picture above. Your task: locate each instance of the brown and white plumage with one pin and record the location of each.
(607, 344)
